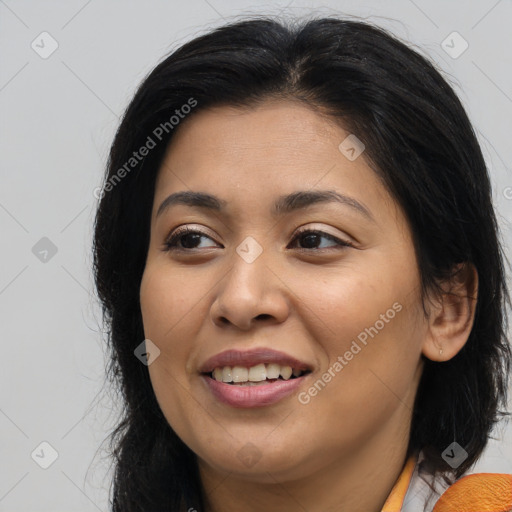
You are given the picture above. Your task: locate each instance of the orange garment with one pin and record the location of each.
(478, 492)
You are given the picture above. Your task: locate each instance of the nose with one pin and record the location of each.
(250, 293)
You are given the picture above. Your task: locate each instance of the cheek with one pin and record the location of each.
(168, 307)
(341, 306)
(368, 324)
(166, 300)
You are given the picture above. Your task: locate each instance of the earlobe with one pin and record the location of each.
(452, 315)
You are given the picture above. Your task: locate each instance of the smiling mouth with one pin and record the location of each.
(255, 375)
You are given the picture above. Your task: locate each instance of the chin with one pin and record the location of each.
(250, 464)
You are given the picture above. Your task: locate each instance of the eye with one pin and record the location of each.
(187, 239)
(311, 238)
(184, 239)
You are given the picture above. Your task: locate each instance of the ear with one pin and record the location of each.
(451, 316)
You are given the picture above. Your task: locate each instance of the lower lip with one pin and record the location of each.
(252, 396)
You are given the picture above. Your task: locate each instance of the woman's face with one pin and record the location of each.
(342, 302)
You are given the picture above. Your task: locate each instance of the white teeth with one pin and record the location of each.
(240, 374)
(257, 373)
(218, 374)
(286, 372)
(226, 374)
(273, 371)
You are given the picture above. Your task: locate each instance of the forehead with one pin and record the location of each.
(272, 128)
(276, 148)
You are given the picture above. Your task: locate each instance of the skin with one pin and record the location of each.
(344, 450)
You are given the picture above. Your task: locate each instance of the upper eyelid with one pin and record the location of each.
(301, 229)
(187, 229)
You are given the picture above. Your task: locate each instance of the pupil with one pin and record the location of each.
(312, 239)
(190, 246)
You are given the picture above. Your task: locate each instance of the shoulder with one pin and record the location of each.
(475, 490)
(478, 491)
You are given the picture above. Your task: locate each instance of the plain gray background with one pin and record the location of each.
(58, 116)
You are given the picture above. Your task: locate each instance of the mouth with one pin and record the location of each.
(257, 386)
(255, 375)
(253, 378)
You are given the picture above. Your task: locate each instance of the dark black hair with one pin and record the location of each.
(419, 142)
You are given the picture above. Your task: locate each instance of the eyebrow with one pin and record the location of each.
(282, 206)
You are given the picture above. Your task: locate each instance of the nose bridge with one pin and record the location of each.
(249, 270)
(250, 289)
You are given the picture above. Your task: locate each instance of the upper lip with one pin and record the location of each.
(252, 357)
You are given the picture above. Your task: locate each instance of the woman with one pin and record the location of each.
(299, 264)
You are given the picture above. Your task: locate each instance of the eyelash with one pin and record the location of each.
(171, 243)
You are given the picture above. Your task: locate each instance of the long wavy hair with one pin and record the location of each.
(420, 143)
